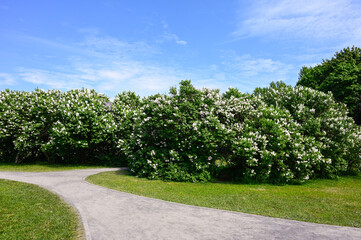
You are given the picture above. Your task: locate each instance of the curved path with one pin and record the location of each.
(109, 214)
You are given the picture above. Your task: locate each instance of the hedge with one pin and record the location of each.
(278, 134)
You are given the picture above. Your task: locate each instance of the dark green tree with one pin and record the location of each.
(340, 75)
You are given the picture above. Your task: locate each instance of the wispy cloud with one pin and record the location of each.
(305, 19)
(248, 72)
(169, 36)
(244, 72)
(7, 80)
(110, 77)
(173, 37)
(215, 79)
(104, 63)
(72, 49)
(111, 45)
(112, 66)
(52, 79)
(249, 66)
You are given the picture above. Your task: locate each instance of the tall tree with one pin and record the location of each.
(341, 75)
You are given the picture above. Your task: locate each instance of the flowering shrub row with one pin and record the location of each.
(276, 134)
(178, 137)
(75, 127)
(334, 135)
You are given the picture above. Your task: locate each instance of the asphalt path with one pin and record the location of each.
(108, 214)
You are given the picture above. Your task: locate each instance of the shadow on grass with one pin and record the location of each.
(225, 181)
(217, 181)
(122, 172)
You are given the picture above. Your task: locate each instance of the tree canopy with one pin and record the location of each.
(340, 75)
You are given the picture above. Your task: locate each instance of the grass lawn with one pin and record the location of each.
(31, 212)
(336, 202)
(40, 167)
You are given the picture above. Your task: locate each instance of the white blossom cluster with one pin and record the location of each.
(277, 134)
(281, 135)
(70, 127)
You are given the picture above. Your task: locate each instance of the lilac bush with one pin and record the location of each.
(73, 127)
(267, 146)
(320, 117)
(125, 109)
(83, 132)
(177, 136)
(278, 134)
(26, 118)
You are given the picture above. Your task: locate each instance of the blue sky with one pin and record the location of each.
(149, 46)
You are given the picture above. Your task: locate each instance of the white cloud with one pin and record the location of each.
(169, 36)
(247, 72)
(111, 66)
(52, 79)
(104, 63)
(212, 80)
(249, 66)
(7, 79)
(110, 77)
(111, 45)
(136, 76)
(304, 19)
(181, 42)
(172, 37)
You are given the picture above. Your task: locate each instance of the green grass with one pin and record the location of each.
(336, 202)
(31, 212)
(41, 167)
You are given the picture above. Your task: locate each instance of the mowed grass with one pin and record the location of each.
(30, 212)
(336, 202)
(41, 167)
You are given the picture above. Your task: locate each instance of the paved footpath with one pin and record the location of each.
(109, 214)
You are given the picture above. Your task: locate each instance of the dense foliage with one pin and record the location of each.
(178, 136)
(277, 134)
(83, 129)
(341, 75)
(72, 127)
(26, 119)
(335, 139)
